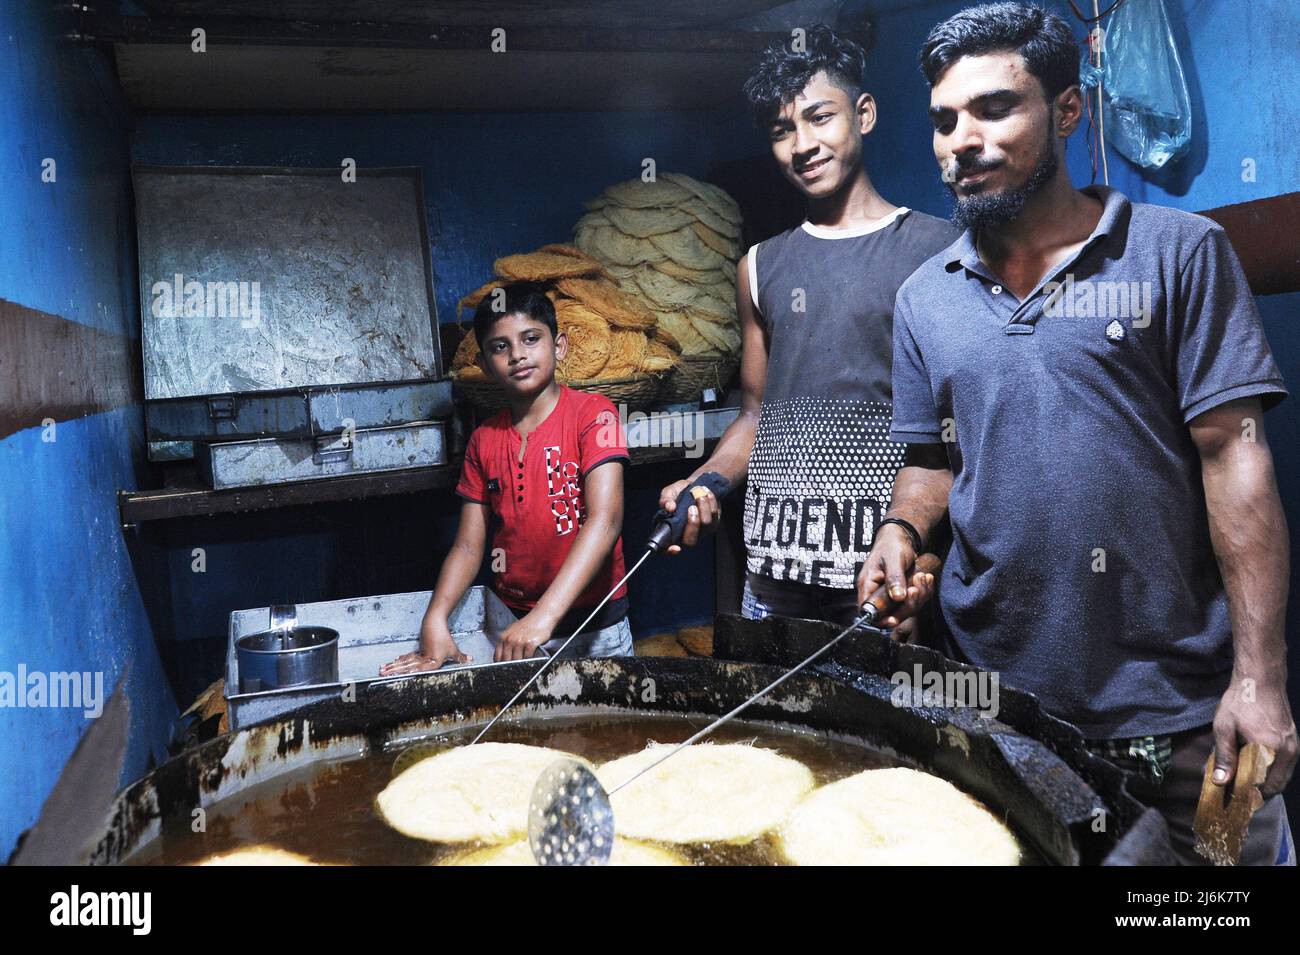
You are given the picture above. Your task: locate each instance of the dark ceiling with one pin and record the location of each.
(305, 55)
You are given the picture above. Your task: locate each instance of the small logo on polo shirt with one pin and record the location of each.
(1115, 331)
(494, 484)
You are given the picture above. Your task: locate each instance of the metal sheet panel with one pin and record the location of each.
(258, 279)
(171, 451)
(263, 461)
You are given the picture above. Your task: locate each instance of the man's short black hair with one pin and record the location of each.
(1043, 39)
(782, 73)
(528, 298)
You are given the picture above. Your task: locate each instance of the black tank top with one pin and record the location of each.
(823, 466)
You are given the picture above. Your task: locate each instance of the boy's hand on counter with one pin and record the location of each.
(523, 637)
(436, 648)
(701, 520)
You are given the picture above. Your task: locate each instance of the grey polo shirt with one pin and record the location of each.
(1081, 566)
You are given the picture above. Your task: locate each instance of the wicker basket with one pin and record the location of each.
(693, 375)
(636, 393)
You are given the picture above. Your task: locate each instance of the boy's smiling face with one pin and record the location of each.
(817, 137)
(520, 354)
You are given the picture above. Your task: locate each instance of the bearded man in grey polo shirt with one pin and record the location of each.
(1080, 382)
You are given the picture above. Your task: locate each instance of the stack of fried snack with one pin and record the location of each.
(686, 642)
(612, 336)
(673, 243)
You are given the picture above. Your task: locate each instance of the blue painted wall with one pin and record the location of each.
(69, 600)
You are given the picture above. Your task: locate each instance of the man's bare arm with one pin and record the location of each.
(1249, 533)
(920, 497)
(921, 488)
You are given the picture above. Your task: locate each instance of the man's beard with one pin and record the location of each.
(999, 208)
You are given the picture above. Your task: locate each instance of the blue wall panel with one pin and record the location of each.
(69, 600)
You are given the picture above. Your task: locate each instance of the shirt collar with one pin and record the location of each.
(503, 416)
(1114, 221)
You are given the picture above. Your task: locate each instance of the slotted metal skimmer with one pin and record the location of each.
(570, 820)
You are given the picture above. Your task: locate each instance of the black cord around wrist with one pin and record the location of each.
(918, 545)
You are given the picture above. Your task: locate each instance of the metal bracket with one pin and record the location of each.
(331, 447)
(283, 616)
(221, 407)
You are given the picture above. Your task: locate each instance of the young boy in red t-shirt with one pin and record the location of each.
(548, 471)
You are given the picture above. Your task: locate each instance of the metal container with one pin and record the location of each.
(372, 631)
(297, 413)
(1032, 770)
(263, 461)
(279, 659)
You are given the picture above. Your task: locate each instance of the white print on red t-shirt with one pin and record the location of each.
(562, 488)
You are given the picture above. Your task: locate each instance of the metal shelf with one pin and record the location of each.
(187, 497)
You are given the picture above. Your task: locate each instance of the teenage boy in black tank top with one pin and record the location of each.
(816, 307)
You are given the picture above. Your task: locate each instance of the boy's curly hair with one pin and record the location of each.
(782, 73)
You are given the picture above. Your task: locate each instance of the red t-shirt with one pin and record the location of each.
(538, 503)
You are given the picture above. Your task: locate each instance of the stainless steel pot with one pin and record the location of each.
(294, 656)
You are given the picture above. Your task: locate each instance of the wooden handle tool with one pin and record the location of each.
(880, 603)
(1223, 818)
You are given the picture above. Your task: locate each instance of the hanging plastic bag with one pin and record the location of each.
(1148, 111)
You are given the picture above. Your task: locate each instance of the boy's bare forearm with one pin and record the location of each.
(458, 572)
(591, 548)
(461, 565)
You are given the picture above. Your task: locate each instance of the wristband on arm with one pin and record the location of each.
(918, 545)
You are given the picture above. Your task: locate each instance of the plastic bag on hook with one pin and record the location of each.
(1148, 109)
